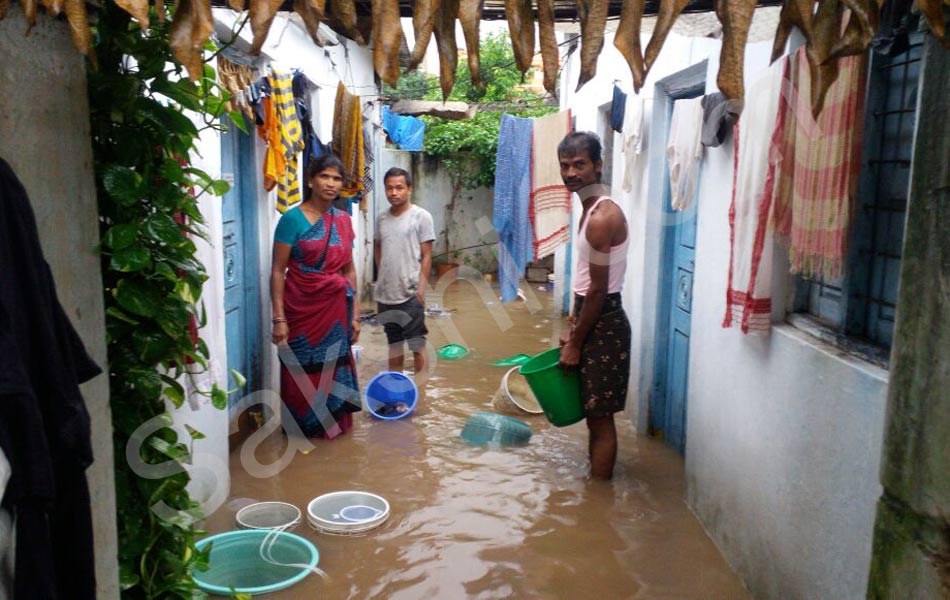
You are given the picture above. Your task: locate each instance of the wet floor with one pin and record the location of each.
(466, 521)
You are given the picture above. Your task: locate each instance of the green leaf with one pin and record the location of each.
(237, 119)
(171, 170)
(163, 270)
(131, 259)
(194, 433)
(128, 578)
(163, 228)
(176, 393)
(219, 398)
(172, 451)
(189, 291)
(122, 184)
(220, 187)
(118, 314)
(183, 91)
(120, 236)
(152, 347)
(137, 297)
(239, 379)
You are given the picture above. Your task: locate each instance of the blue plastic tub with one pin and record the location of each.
(498, 430)
(236, 563)
(391, 395)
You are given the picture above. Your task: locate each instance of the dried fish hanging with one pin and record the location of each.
(387, 33)
(521, 29)
(445, 41)
(593, 18)
(424, 15)
(627, 40)
(470, 16)
(550, 56)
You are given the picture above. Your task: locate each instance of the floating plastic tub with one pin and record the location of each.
(491, 429)
(268, 515)
(347, 513)
(558, 391)
(391, 395)
(515, 395)
(236, 564)
(452, 352)
(516, 360)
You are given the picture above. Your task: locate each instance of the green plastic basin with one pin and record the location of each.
(558, 391)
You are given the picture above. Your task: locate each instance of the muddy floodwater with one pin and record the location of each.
(471, 522)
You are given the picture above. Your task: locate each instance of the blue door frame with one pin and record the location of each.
(668, 396)
(242, 293)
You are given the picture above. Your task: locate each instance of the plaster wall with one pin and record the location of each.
(45, 79)
(783, 432)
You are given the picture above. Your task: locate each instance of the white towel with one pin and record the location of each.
(757, 145)
(550, 207)
(684, 151)
(632, 139)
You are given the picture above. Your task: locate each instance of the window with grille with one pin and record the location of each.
(862, 303)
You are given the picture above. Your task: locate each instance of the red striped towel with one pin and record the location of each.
(820, 166)
(550, 207)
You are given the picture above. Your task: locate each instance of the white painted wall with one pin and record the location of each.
(45, 82)
(783, 432)
(288, 46)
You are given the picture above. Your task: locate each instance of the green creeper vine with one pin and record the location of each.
(148, 209)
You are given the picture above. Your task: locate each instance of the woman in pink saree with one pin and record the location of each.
(313, 282)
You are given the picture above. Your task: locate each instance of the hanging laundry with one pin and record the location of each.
(617, 109)
(44, 424)
(719, 115)
(684, 151)
(820, 167)
(550, 199)
(303, 99)
(368, 158)
(235, 79)
(757, 140)
(632, 139)
(348, 141)
(282, 131)
(406, 132)
(512, 198)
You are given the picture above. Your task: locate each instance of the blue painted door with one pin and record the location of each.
(242, 295)
(675, 301)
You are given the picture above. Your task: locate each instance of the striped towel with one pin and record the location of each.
(550, 199)
(348, 140)
(512, 194)
(291, 141)
(756, 140)
(820, 167)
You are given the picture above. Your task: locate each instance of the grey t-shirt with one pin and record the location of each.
(398, 271)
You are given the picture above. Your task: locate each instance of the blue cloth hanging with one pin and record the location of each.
(406, 132)
(617, 109)
(512, 197)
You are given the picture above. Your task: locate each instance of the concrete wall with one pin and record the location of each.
(44, 135)
(458, 226)
(783, 432)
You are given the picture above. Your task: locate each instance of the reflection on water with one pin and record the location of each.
(491, 523)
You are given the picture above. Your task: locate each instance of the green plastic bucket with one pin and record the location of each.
(558, 391)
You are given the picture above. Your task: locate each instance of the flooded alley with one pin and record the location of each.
(481, 522)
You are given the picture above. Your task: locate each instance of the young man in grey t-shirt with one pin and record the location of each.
(403, 251)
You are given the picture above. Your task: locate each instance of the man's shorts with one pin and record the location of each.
(404, 322)
(605, 359)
